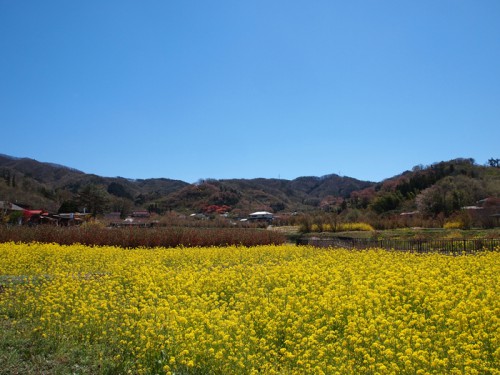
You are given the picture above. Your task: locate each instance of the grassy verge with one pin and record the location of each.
(24, 351)
(21, 352)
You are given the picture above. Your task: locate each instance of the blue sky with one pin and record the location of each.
(243, 89)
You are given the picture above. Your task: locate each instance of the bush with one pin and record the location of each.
(355, 227)
(453, 225)
(327, 228)
(315, 228)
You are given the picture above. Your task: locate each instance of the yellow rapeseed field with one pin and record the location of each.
(260, 310)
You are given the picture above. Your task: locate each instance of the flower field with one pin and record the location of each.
(247, 310)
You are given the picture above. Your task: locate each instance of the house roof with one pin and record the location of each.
(10, 206)
(409, 213)
(72, 215)
(260, 213)
(30, 213)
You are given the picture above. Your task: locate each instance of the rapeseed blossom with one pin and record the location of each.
(268, 309)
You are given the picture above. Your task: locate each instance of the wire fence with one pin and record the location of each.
(451, 246)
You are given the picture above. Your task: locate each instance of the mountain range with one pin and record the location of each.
(56, 187)
(48, 185)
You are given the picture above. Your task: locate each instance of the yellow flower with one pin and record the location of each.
(267, 309)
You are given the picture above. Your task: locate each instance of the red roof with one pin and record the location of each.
(29, 213)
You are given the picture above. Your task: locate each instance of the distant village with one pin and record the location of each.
(18, 214)
(23, 215)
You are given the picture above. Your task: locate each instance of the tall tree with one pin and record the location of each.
(93, 199)
(494, 162)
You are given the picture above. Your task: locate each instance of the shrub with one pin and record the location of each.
(327, 228)
(315, 228)
(142, 237)
(355, 227)
(453, 225)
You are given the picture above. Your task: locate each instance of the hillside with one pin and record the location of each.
(438, 190)
(49, 186)
(456, 191)
(451, 185)
(245, 195)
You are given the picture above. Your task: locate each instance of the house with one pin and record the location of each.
(113, 216)
(72, 218)
(11, 212)
(485, 204)
(141, 219)
(141, 214)
(489, 202)
(8, 207)
(34, 217)
(261, 216)
(487, 211)
(409, 214)
(199, 216)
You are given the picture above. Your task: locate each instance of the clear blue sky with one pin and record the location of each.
(243, 89)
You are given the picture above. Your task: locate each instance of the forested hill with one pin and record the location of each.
(244, 195)
(440, 188)
(50, 186)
